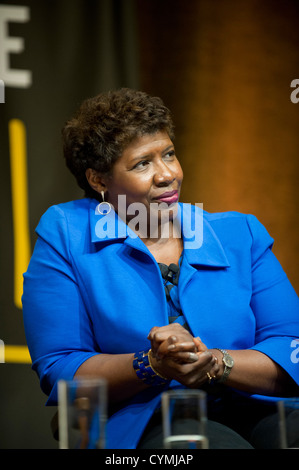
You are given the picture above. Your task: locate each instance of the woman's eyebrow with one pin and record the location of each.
(146, 155)
(142, 155)
(170, 147)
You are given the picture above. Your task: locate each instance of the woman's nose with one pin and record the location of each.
(163, 175)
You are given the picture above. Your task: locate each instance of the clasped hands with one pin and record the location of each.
(179, 356)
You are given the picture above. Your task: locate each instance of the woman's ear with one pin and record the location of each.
(95, 180)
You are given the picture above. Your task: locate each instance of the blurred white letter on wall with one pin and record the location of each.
(8, 45)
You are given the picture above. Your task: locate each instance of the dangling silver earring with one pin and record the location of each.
(104, 207)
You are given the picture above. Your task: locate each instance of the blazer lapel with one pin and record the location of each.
(210, 255)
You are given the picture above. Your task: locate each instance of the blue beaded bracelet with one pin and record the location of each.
(144, 371)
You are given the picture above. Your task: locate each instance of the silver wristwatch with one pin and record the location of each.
(228, 364)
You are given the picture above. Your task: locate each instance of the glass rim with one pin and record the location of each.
(173, 393)
(84, 380)
(292, 402)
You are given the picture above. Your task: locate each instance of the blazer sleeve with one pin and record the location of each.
(57, 326)
(274, 303)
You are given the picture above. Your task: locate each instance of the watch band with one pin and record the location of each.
(228, 365)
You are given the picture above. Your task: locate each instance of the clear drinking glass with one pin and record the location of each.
(184, 419)
(82, 413)
(288, 412)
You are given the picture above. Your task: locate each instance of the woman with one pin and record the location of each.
(119, 281)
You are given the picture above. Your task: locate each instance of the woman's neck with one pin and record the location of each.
(166, 246)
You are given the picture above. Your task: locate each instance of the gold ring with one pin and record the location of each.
(209, 377)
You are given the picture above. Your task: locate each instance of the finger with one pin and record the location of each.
(163, 332)
(185, 357)
(151, 334)
(158, 335)
(172, 340)
(195, 374)
(206, 358)
(162, 348)
(179, 353)
(171, 347)
(175, 347)
(199, 344)
(194, 368)
(215, 368)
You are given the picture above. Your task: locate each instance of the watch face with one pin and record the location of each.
(228, 361)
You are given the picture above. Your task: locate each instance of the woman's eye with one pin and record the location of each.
(140, 165)
(170, 154)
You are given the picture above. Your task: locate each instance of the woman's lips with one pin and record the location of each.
(169, 197)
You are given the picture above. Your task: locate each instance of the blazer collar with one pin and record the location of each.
(201, 244)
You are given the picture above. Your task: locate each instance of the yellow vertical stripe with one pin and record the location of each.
(19, 188)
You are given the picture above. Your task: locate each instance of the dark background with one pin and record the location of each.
(223, 67)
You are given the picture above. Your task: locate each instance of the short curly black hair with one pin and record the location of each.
(105, 125)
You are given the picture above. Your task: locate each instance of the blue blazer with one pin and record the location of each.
(92, 286)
